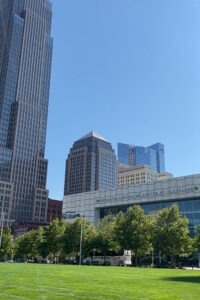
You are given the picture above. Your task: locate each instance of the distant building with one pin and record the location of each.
(54, 210)
(153, 156)
(139, 174)
(125, 154)
(128, 175)
(91, 165)
(21, 227)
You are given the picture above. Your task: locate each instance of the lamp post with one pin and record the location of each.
(81, 239)
(2, 220)
(73, 215)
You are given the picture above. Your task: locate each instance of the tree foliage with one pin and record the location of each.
(72, 237)
(197, 239)
(167, 235)
(104, 240)
(6, 250)
(53, 238)
(28, 245)
(172, 233)
(133, 230)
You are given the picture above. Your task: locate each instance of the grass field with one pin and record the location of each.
(35, 281)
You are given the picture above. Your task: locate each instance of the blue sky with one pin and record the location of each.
(130, 70)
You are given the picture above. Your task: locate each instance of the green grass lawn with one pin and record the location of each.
(37, 281)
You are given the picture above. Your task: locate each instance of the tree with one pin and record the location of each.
(197, 239)
(22, 247)
(196, 244)
(172, 233)
(36, 239)
(53, 236)
(72, 237)
(133, 231)
(104, 240)
(28, 245)
(6, 250)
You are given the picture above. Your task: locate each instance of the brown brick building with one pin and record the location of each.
(54, 210)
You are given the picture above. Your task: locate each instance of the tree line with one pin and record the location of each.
(165, 237)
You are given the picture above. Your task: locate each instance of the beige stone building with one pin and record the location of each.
(129, 175)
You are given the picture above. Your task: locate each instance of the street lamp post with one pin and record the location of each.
(73, 215)
(2, 220)
(81, 239)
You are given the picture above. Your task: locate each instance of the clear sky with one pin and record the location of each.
(130, 70)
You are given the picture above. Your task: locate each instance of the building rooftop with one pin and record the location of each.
(92, 134)
(124, 167)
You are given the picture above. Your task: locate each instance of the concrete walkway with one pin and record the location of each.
(190, 268)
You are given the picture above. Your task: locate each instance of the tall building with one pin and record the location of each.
(153, 156)
(91, 165)
(25, 65)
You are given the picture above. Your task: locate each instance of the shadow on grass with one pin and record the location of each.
(188, 279)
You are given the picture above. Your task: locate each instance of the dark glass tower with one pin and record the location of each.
(25, 64)
(91, 165)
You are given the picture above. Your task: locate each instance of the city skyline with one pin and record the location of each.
(128, 71)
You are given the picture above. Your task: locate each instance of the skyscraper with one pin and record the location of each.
(153, 156)
(91, 165)
(25, 65)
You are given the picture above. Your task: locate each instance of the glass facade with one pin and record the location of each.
(123, 153)
(153, 156)
(188, 208)
(145, 156)
(25, 64)
(160, 156)
(91, 165)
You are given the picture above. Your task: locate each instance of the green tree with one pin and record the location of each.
(104, 240)
(172, 233)
(133, 231)
(197, 239)
(6, 250)
(36, 240)
(28, 245)
(53, 238)
(72, 237)
(196, 243)
(22, 247)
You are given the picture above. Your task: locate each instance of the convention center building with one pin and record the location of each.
(151, 196)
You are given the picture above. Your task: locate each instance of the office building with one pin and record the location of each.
(25, 64)
(153, 156)
(129, 175)
(91, 165)
(151, 196)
